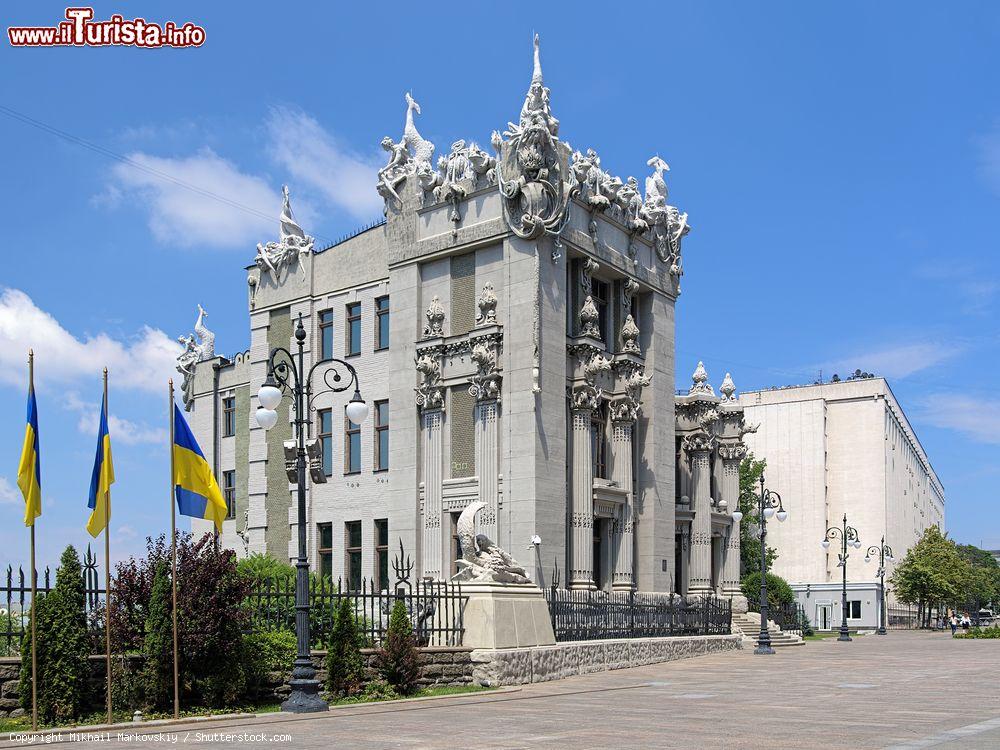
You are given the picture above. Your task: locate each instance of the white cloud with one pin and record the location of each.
(977, 418)
(314, 158)
(127, 532)
(121, 430)
(9, 493)
(182, 216)
(896, 362)
(143, 362)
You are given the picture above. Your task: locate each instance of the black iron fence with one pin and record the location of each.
(791, 618)
(596, 615)
(435, 609)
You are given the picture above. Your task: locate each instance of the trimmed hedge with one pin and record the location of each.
(778, 590)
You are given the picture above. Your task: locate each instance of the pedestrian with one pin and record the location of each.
(953, 621)
(966, 622)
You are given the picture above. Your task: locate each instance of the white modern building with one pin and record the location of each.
(836, 448)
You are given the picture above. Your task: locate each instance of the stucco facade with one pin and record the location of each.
(835, 448)
(530, 367)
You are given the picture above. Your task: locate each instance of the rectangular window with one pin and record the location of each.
(325, 549)
(382, 553)
(229, 492)
(326, 439)
(598, 443)
(353, 329)
(599, 291)
(854, 609)
(228, 416)
(352, 446)
(381, 323)
(381, 435)
(456, 542)
(325, 334)
(352, 555)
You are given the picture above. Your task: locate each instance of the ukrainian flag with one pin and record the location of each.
(102, 478)
(197, 492)
(29, 471)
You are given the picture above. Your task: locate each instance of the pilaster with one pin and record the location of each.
(623, 543)
(582, 507)
(698, 448)
(433, 544)
(487, 416)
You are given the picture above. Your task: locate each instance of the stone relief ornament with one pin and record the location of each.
(733, 451)
(697, 442)
(194, 352)
(530, 165)
(410, 156)
(668, 224)
(485, 384)
(591, 180)
(487, 303)
(728, 388)
(699, 381)
(435, 319)
(588, 319)
(630, 336)
(430, 393)
(482, 560)
(292, 243)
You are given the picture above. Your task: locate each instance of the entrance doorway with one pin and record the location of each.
(600, 526)
(824, 616)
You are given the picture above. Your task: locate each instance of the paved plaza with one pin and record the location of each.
(904, 690)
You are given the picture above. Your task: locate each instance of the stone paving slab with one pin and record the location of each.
(904, 690)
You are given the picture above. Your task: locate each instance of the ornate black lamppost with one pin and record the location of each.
(884, 552)
(767, 503)
(285, 374)
(848, 536)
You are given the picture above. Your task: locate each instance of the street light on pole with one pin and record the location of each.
(284, 374)
(768, 506)
(848, 536)
(884, 552)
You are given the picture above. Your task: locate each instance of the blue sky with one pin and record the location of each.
(840, 163)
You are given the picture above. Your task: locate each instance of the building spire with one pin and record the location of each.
(536, 75)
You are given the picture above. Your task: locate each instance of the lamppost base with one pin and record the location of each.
(844, 637)
(763, 648)
(304, 698)
(880, 631)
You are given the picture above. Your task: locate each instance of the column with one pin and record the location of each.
(432, 542)
(622, 543)
(582, 509)
(731, 456)
(487, 467)
(698, 449)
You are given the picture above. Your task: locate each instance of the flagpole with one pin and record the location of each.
(107, 565)
(34, 582)
(173, 551)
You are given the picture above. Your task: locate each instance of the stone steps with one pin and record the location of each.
(749, 625)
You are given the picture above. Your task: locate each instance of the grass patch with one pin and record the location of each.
(23, 723)
(377, 697)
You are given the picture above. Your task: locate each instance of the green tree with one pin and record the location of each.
(750, 472)
(63, 647)
(158, 644)
(778, 590)
(933, 573)
(397, 659)
(344, 664)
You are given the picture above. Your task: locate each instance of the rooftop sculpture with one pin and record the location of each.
(292, 242)
(194, 352)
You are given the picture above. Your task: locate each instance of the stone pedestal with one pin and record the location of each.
(506, 615)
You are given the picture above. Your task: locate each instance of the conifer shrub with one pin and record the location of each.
(63, 647)
(397, 659)
(344, 664)
(158, 645)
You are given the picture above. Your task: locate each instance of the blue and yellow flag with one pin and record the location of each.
(102, 479)
(197, 492)
(29, 471)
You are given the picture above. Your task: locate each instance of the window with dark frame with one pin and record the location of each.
(456, 543)
(352, 555)
(381, 323)
(599, 292)
(599, 442)
(326, 334)
(353, 329)
(854, 609)
(229, 493)
(381, 436)
(352, 446)
(382, 553)
(325, 436)
(325, 549)
(228, 416)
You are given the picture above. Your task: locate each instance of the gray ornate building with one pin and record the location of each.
(512, 324)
